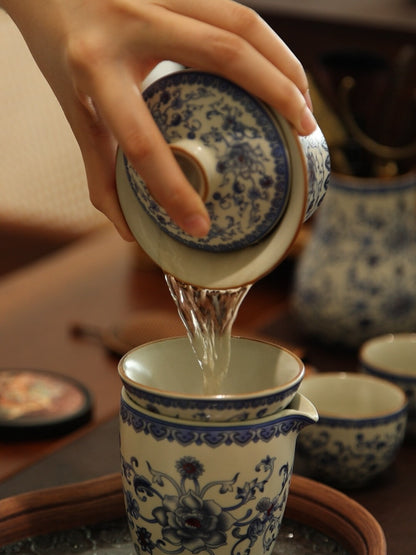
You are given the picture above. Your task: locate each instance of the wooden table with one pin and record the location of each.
(101, 280)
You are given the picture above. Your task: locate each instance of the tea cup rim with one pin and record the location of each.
(326, 415)
(177, 395)
(382, 368)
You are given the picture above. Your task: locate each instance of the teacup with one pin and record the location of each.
(393, 357)
(207, 487)
(259, 180)
(164, 377)
(362, 421)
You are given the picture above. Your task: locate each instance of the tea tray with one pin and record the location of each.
(88, 518)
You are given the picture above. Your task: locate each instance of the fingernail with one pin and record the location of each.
(307, 122)
(196, 225)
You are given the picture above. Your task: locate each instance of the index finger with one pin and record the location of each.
(226, 37)
(121, 105)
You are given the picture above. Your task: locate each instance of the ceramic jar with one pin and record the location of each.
(356, 277)
(208, 474)
(207, 487)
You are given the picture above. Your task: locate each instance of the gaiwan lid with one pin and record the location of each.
(241, 158)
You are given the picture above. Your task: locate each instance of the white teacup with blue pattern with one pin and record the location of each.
(362, 422)
(393, 357)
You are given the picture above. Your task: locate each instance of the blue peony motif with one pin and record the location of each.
(265, 505)
(241, 159)
(190, 518)
(189, 467)
(192, 522)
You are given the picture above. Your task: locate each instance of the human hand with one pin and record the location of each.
(95, 54)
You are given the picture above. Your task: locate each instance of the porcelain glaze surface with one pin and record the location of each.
(244, 154)
(215, 488)
(356, 276)
(318, 168)
(392, 357)
(260, 181)
(165, 378)
(352, 446)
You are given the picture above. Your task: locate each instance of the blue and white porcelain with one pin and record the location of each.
(356, 276)
(258, 179)
(362, 422)
(232, 150)
(393, 358)
(198, 487)
(165, 378)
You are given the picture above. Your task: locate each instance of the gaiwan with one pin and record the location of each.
(259, 180)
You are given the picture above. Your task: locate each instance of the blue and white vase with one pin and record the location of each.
(356, 277)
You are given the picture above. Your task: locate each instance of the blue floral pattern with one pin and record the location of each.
(355, 455)
(191, 519)
(201, 409)
(212, 436)
(246, 142)
(356, 276)
(215, 488)
(318, 164)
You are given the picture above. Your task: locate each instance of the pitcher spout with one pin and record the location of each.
(302, 410)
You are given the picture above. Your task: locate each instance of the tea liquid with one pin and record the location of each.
(208, 316)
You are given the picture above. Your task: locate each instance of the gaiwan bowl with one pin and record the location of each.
(362, 421)
(258, 179)
(393, 358)
(164, 377)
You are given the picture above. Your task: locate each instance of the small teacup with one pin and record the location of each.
(393, 357)
(362, 421)
(164, 377)
(259, 180)
(207, 487)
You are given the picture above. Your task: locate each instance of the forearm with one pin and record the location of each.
(24, 12)
(38, 27)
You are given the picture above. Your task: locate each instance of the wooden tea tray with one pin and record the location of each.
(100, 500)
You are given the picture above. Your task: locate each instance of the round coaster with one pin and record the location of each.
(40, 403)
